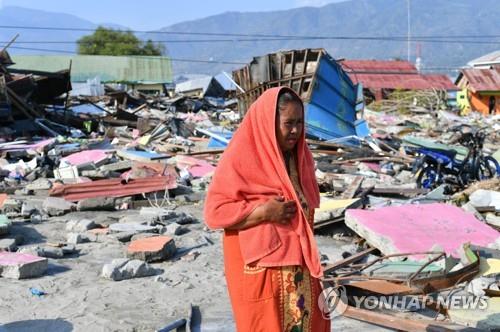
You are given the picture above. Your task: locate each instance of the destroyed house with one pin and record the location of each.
(486, 61)
(332, 101)
(201, 87)
(480, 90)
(380, 77)
(17, 85)
(147, 74)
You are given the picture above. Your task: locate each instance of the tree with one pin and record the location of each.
(115, 42)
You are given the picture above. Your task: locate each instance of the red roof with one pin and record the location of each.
(378, 66)
(483, 79)
(440, 81)
(385, 74)
(403, 81)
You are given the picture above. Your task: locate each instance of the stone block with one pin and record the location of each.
(76, 238)
(123, 236)
(122, 269)
(174, 229)
(8, 245)
(152, 249)
(15, 265)
(55, 206)
(96, 204)
(48, 252)
(82, 225)
(28, 209)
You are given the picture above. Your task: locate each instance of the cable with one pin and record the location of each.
(237, 34)
(257, 40)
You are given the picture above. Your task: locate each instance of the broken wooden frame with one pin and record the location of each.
(391, 286)
(421, 285)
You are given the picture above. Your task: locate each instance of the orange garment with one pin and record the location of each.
(252, 171)
(272, 299)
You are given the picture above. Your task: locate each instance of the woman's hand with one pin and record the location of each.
(277, 209)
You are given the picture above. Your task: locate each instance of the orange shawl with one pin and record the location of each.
(252, 171)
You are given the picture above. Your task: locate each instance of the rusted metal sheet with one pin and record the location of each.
(380, 74)
(482, 79)
(377, 66)
(418, 283)
(403, 81)
(114, 188)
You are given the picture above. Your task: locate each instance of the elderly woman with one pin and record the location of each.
(263, 195)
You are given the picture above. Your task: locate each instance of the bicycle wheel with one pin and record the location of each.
(428, 177)
(487, 168)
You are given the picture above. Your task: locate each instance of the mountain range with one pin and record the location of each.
(442, 26)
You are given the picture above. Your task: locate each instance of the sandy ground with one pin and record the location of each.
(78, 299)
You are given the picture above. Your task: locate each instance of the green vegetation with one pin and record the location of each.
(115, 42)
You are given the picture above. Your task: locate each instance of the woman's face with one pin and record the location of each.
(289, 125)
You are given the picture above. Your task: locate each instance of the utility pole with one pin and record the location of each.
(409, 28)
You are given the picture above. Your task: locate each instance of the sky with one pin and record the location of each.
(155, 14)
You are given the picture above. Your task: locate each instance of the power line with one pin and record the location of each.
(191, 60)
(178, 41)
(242, 34)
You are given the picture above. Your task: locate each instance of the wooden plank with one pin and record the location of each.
(382, 287)
(400, 323)
(353, 188)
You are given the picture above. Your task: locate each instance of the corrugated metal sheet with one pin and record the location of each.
(403, 81)
(483, 79)
(114, 188)
(378, 66)
(123, 69)
(488, 59)
(382, 74)
(440, 81)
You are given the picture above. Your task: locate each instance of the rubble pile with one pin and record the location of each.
(117, 170)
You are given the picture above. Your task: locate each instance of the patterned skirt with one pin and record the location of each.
(275, 299)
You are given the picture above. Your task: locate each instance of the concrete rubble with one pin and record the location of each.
(21, 266)
(117, 194)
(123, 269)
(151, 249)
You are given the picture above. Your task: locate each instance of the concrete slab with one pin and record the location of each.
(152, 249)
(419, 228)
(56, 206)
(15, 265)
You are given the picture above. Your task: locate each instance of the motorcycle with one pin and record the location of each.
(438, 166)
